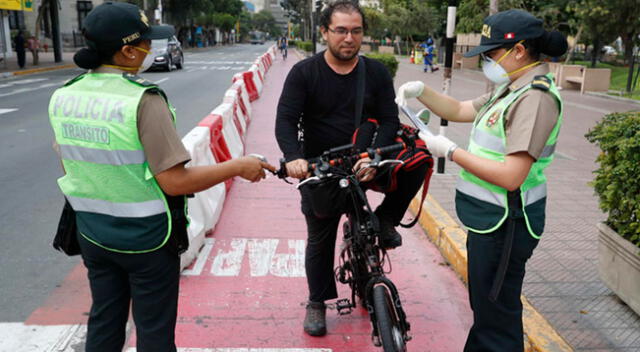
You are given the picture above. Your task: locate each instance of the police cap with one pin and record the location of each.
(117, 23)
(507, 27)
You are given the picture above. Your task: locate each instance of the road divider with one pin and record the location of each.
(220, 137)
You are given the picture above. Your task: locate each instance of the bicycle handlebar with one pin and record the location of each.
(338, 156)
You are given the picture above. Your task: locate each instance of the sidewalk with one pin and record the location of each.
(562, 281)
(46, 63)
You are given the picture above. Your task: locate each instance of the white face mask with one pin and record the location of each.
(494, 72)
(148, 60)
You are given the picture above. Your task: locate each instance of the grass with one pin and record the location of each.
(619, 75)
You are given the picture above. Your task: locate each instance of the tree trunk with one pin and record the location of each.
(493, 6)
(630, 75)
(595, 52)
(570, 53)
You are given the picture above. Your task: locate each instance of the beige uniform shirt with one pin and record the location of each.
(162, 146)
(531, 118)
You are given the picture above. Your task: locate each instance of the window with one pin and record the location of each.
(16, 20)
(83, 7)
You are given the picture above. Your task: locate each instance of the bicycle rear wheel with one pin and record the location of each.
(389, 330)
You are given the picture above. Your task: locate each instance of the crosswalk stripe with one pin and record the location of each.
(5, 111)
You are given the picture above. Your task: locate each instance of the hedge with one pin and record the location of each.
(617, 181)
(305, 46)
(389, 60)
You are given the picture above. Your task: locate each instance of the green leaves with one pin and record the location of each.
(389, 60)
(617, 181)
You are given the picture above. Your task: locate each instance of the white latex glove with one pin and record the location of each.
(409, 90)
(440, 146)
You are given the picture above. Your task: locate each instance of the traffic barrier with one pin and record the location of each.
(243, 98)
(257, 78)
(231, 97)
(260, 64)
(205, 207)
(247, 78)
(217, 144)
(230, 129)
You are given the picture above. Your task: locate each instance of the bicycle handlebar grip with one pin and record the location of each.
(391, 148)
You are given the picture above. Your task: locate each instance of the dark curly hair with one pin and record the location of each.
(345, 6)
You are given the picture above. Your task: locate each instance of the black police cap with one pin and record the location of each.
(507, 27)
(119, 23)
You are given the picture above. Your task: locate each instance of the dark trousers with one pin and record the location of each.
(497, 326)
(322, 231)
(22, 58)
(148, 280)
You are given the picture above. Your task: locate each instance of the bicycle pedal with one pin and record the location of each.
(344, 306)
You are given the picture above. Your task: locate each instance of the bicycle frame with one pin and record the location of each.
(362, 259)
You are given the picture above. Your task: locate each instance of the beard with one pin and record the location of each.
(335, 51)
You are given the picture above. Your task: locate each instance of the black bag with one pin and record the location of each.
(66, 239)
(178, 241)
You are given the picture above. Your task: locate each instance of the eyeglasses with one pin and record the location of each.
(343, 32)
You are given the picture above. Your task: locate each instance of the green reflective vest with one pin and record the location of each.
(119, 205)
(482, 206)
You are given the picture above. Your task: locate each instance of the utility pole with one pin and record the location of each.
(55, 30)
(448, 63)
(493, 9)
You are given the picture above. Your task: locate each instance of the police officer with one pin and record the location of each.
(125, 177)
(501, 191)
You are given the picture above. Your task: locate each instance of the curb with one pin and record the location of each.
(450, 239)
(35, 70)
(613, 97)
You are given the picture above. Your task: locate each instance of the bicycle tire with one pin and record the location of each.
(389, 331)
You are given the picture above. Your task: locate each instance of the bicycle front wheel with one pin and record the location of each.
(389, 330)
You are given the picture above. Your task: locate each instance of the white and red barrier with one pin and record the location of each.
(231, 97)
(219, 137)
(230, 129)
(205, 207)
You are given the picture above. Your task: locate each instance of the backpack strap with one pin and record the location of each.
(425, 189)
(360, 72)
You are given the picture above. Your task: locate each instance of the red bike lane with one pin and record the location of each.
(246, 290)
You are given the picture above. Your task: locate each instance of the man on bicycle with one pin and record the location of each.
(318, 103)
(283, 46)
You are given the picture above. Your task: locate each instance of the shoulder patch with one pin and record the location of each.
(138, 80)
(74, 79)
(541, 82)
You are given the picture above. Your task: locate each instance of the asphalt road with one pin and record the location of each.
(31, 201)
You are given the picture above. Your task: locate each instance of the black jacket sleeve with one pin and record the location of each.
(290, 109)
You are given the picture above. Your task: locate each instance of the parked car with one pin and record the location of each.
(168, 53)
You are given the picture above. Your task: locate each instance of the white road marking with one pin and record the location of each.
(202, 258)
(25, 90)
(214, 62)
(162, 80)
(262, 257)
(587, 107)
(18, 337)
(22, 81)
(6, 111)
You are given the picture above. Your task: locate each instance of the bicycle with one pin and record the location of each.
(363, 260)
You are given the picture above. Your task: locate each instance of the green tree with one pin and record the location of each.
(265, 22)
(375, 22)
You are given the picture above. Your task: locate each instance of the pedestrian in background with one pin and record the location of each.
(18, 41)
(126, 180)
(33, 45)
(501, 192)
(428, 50)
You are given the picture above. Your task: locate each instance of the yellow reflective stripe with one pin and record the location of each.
(124, 210)
(102, 156)
(481, 193)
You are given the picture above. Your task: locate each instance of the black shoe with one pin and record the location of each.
(315, 323)
(390, 237)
